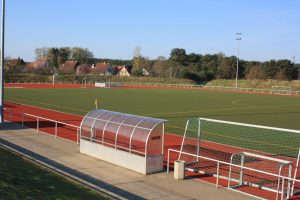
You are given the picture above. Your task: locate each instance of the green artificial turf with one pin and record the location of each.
(21, 179)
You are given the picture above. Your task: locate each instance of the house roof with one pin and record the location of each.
(119, 68)
(100, 68)
(40, 62)
(68, 66)
(11, 63)
(83, 69)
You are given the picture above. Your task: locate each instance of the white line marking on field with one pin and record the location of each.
(46, 104)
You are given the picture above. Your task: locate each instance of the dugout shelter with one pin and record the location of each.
(131, 141)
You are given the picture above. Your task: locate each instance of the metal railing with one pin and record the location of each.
(38, 118)
(214, 88)
(186, 86)
(38, 121)
(241, 167)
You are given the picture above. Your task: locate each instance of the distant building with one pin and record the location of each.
(69, 67)
(122, 71)
(103, 69)
(83, 69)
(145, 72)
(39, 63)
(11, 64)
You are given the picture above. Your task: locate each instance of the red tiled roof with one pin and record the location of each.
(83, 69)
(68, 66)
(119, 68)
(40, 62)
(100, 68)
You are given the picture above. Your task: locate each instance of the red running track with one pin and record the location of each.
(45, 85)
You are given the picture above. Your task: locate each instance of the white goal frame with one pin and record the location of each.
(83, 83)
(281, 90)
(254, 153)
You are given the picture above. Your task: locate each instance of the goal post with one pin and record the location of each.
(262, 175)
(191, 142)
(281, 90)
(269, 151)
(83, 83)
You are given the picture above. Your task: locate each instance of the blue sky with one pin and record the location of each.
(113, 28)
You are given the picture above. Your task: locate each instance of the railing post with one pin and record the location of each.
(77, 138)
(22, 119)
(218, 171)
(37, 124)
(168, 161)
(282, 188)
(55, 133)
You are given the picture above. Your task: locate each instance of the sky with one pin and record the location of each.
(114, 28)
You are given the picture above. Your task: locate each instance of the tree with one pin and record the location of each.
(64, 55)
(194, 58)
(270, 69)
(82, 55)
(255, 73)
(52, 57)
(160, 66)
(41, 52)
(178, 56)
(137, 56)
(226, 68)
(286, 70)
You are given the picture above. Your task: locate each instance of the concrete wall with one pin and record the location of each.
(122, 158)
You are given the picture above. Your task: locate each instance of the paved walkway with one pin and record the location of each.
(64, 156)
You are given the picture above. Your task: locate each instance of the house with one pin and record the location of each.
(83, 69)
(12, 64)
(122, 71)
(39, 63)
(103, 69)
(145, 72)
(69, 67)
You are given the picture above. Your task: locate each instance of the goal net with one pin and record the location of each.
(191, 143)
(273, 151)
(282, 90)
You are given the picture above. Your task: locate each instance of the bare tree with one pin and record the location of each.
(137, 56)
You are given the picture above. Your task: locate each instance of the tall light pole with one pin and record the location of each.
(2, 63)
(238, 38)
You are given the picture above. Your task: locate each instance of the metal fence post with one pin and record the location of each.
(37, 124)
(55, 134)
(22, 119)
(77, 139)
(218, 171)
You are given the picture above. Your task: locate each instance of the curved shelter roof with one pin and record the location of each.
(132, 133)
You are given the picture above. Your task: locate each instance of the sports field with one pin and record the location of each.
(176, 106)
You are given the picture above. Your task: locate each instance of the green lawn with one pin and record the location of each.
(174, 105)
(20, 179)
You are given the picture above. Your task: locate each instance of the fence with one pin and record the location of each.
(204, 87)
(71, 132)
(280, 190)
(162, 85)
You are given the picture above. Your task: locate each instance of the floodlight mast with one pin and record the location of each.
(2, 63)
(238, 38)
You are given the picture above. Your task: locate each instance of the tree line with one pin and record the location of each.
(203, 68)
(197, 67)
